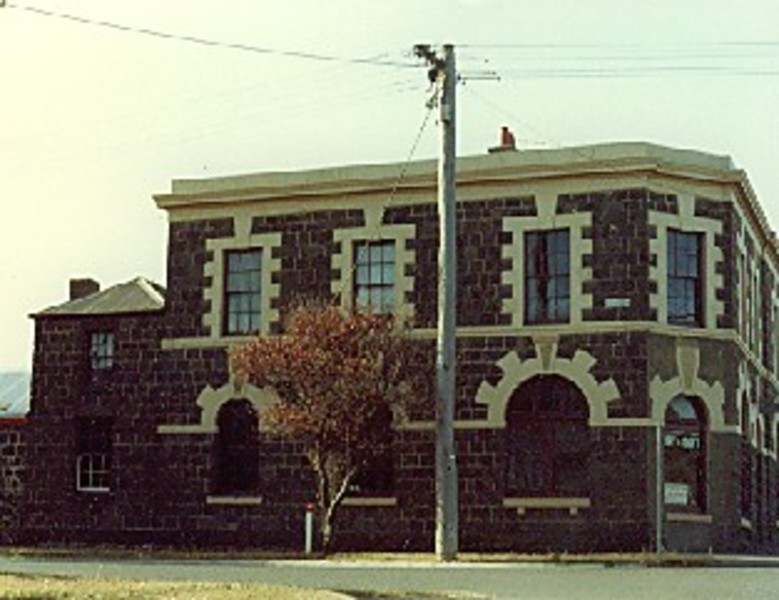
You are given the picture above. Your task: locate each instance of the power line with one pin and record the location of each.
(597, 45)
(312, 56)
(570, 61)
(620, 73)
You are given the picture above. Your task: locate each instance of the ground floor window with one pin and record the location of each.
(93, 454)
(376, 477)
(685, 451)
(547, 439)
(237, 449)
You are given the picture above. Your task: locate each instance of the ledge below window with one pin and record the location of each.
(680, 517)
(94, 490)
(572, 504)
(376, 501)
(233, 500)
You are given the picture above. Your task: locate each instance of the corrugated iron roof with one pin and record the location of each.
(138, 295)
(14, 394)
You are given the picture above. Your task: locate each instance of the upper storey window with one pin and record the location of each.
(374, 278)
(373, 266)
(685, 290)
(101, 350)
(547, 276)
(243, 292)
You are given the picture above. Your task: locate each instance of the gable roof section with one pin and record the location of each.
(137, 296)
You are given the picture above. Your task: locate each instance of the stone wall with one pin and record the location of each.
(161, 482)
(12, 465)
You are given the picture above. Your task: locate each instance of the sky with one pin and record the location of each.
(104, 102)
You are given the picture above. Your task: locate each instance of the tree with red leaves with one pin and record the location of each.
(335, 372)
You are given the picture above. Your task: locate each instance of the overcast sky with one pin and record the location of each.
(94, 119)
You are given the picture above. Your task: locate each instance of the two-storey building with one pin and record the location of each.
(616, 337)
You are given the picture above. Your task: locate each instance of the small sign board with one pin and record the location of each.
(617, 303)
(677, 494)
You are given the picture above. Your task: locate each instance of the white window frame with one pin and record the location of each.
(343, 262)
(215, 270)
(90, 477)
(102, 350)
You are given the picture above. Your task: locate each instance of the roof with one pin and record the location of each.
(136, 296)
(614, 156)
(14, 394)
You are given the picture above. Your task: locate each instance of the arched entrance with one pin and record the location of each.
(547, 443)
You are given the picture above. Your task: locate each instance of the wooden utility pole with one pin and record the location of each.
(444, 75)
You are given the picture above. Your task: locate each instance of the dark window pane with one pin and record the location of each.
(374, 281)
(684, 278)
(547, 439)
(363, 275)
(237, 448)
(547, 271)
(101, 350)
(243, 292)
(362, 253)
(94, 445)
(388, 273)
(363, 297)
(377, 476)
(376, 270)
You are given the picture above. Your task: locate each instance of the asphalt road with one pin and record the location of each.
(502, 581)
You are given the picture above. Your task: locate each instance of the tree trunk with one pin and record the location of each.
(327, 532)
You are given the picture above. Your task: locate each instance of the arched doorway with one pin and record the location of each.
(685, 450)
(548, 442)
(237, 449)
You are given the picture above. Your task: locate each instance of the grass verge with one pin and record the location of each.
(22, 587)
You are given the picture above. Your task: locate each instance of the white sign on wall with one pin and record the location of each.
(677, 494)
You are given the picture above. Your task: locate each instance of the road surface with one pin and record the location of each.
(500, 581)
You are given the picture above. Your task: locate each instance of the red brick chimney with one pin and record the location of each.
(507, 141)
(79, 288)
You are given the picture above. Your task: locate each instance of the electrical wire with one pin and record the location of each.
(298, 54)
(372, 235)
(566, 61)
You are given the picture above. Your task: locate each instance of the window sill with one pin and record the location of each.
(95, 490)
(233, 500)
(370, 501)
(680, 517)
(572, 504)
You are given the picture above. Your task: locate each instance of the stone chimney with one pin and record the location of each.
(79, 288)
(507, 141)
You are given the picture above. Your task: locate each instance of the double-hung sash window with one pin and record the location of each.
(374, 279)
(685, 302)
(93, 454)
(101, 350)
(243, 292)
(547, 276)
